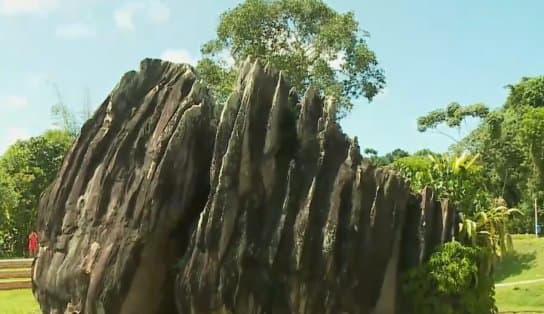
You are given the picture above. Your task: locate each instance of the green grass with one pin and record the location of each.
(525, 263)
(521, 298)
(18, 302)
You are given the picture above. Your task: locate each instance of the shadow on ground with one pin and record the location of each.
(513, 264)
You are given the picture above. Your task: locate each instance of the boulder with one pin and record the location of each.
(116, 219)
(159, 209)
(295, 222)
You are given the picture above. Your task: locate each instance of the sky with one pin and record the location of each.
(433, 53)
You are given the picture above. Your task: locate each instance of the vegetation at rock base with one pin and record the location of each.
(454, 280)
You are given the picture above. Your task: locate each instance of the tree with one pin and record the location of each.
(30, 166)
(511, 137)
(395, 155)
(458, 178)
(307, 40)
(509, 140)
(531, 133)
(453, 116)
(425, 152)
(371, 155)
(528, 92)
(8, 200)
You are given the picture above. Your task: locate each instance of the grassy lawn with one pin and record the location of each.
(526, 263)
(521, 298)
(18, 302)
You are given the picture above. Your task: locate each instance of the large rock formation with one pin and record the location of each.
(156, 210)
(116, 219)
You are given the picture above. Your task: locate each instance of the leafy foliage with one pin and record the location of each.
(219, 76)
(490, 229)
(531, 133)
(26, 169)
(529, 92)
(510, 142)
(459, 179)
(307, 40)
(454, 280)
(371, 155)
(8, 200)
(452, 116)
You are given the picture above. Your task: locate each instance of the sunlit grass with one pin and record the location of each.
(526, 263)
(18, 302)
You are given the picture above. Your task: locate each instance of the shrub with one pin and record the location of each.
(456, 279)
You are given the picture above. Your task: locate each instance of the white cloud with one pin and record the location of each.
(124, 18)
(158, 12)
(178, 56)
(155, 11)
(13, 102)
(76, 31)
(19, 7)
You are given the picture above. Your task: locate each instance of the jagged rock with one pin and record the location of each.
(272, 211)
(114, 222)
(295, 223)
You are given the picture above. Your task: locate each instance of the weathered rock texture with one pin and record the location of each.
(295, 223)
(273, 211)
(114, 222)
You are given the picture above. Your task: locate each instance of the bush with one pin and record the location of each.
(456, 279)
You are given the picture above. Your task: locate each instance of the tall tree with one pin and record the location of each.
(306, 39)
(30, 165)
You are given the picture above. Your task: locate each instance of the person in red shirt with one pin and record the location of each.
(33, 243)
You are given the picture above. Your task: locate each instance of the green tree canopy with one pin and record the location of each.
(453, 115)
(371, 155)
(8, 201)
(529, 92)
(508, 139)
(307, 40)
(26, 169)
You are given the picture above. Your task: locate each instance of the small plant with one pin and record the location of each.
(489, 229)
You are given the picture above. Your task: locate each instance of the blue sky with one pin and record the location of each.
(433, 52)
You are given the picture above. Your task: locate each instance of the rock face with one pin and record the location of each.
(295, 223)
(115, 220)
(156, 210)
